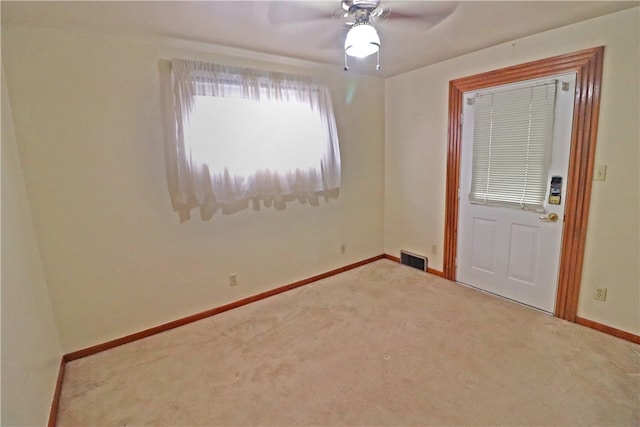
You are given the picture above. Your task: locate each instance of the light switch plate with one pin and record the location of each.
(600, 173)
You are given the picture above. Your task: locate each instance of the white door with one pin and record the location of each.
(511, 251)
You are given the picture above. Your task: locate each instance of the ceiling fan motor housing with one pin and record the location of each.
(353, 5)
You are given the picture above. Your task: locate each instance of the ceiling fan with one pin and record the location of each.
(352, 10)
(359, 18)
(362, 39)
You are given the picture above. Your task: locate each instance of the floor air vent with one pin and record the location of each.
(412, 260)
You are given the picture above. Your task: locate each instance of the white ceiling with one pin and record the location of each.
(285, 28)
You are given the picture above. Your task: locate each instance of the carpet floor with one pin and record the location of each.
(380, 345)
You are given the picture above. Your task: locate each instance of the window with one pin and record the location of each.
(241, 134)
(512, 145)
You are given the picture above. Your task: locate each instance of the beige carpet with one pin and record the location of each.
(383, 344)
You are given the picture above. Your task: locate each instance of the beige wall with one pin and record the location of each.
(416, 150)
(116, 258)
(30, 349)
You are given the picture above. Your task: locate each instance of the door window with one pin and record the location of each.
(512, 145)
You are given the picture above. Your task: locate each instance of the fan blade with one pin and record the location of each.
(426, 15)
(293, 12)
(334, 39)
(429, 19)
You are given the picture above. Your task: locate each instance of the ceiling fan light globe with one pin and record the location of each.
(362, 40)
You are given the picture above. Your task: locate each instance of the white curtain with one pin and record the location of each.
(197, 180)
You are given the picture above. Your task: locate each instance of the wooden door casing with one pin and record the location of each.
(588, 66)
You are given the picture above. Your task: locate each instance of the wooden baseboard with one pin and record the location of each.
(429, 270)
(579, 320)
(55, 403)
(391, 257)
(199, 316)
(53, 414)
(608, 330)
(435, 272)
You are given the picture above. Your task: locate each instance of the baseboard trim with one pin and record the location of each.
(55, 403)
(435, 272)
(628, 336)
(53, 413)
(579, 320)
(391, 257)
(429, 270)
(199, 316)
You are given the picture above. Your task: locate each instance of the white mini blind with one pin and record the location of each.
(512, 144)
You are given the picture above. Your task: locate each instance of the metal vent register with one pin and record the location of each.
(413, 260)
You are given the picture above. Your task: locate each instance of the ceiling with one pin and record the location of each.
(291, 29)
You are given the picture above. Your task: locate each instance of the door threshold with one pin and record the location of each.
(466, 285)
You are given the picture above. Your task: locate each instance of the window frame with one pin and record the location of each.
(191, 187)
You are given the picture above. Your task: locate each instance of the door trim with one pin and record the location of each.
(588, 66)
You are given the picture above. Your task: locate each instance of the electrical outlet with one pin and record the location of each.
(600, 294)
(343, 249)
(233, 279)
(434, 249)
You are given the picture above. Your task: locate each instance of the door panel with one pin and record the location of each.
(513, 252)
(523, 253)
(482, 256)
